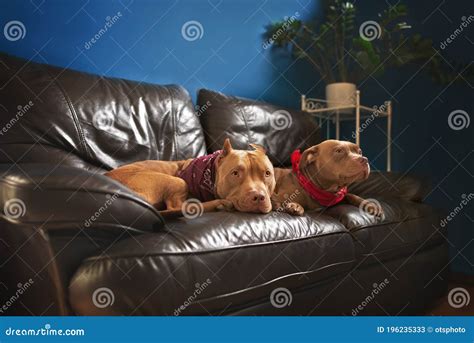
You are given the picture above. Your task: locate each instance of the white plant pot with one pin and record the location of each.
(341, 94)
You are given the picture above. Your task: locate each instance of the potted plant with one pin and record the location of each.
(345, 54)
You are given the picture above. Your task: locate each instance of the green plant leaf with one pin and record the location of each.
(334, 48)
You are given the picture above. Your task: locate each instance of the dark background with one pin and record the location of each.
(146, 44)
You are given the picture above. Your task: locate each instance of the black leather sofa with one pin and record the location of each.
(86, 245)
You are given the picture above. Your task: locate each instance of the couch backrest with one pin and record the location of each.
(55, 115)
(280, 130)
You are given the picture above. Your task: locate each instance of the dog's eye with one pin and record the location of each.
(268, 173)
(235, 173)
(360, 152)
(339, 151)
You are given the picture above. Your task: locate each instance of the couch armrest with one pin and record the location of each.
(408, 187)
(52, 218)
(78, 199)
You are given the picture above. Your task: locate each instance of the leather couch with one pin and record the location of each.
(86, 245)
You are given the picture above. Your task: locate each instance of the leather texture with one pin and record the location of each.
(413, 284)
(54, 217)
(242, 255)
(404, 227)
(246, 256)
(280, 130)
(76, 233)
(408, 187)
(53, 194)
(99, 122)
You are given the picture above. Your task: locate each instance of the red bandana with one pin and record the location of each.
(323, 197)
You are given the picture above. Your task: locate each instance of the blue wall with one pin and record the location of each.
(426, 144)
(146, 44)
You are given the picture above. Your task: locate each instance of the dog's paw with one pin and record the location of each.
(225, 205)
(376, 211)
(294, 209)
(373, 208)
(379, 214)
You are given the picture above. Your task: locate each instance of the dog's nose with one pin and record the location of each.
(363, 160)
(257, 196)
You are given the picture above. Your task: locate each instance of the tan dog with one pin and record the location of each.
(320, 177)
(228, 179)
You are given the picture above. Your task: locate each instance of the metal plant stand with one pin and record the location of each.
(318, 109)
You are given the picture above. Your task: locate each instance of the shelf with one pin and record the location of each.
(318, 108)
(334, 110)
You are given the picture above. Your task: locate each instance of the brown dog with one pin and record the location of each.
(319, 178)
(227, 179)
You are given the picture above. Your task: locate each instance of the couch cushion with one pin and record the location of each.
(50, 114)
(237, 257)
(405, 228)
(71, 199)
(395, 184)
(280, 130)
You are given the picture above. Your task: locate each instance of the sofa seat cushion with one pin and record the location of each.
(406, 227)
(213, 263)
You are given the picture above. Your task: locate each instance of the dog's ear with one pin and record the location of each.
(309, 156)
(227, 149)
(258, 147)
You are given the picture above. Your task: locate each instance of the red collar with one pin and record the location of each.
(321, 196)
